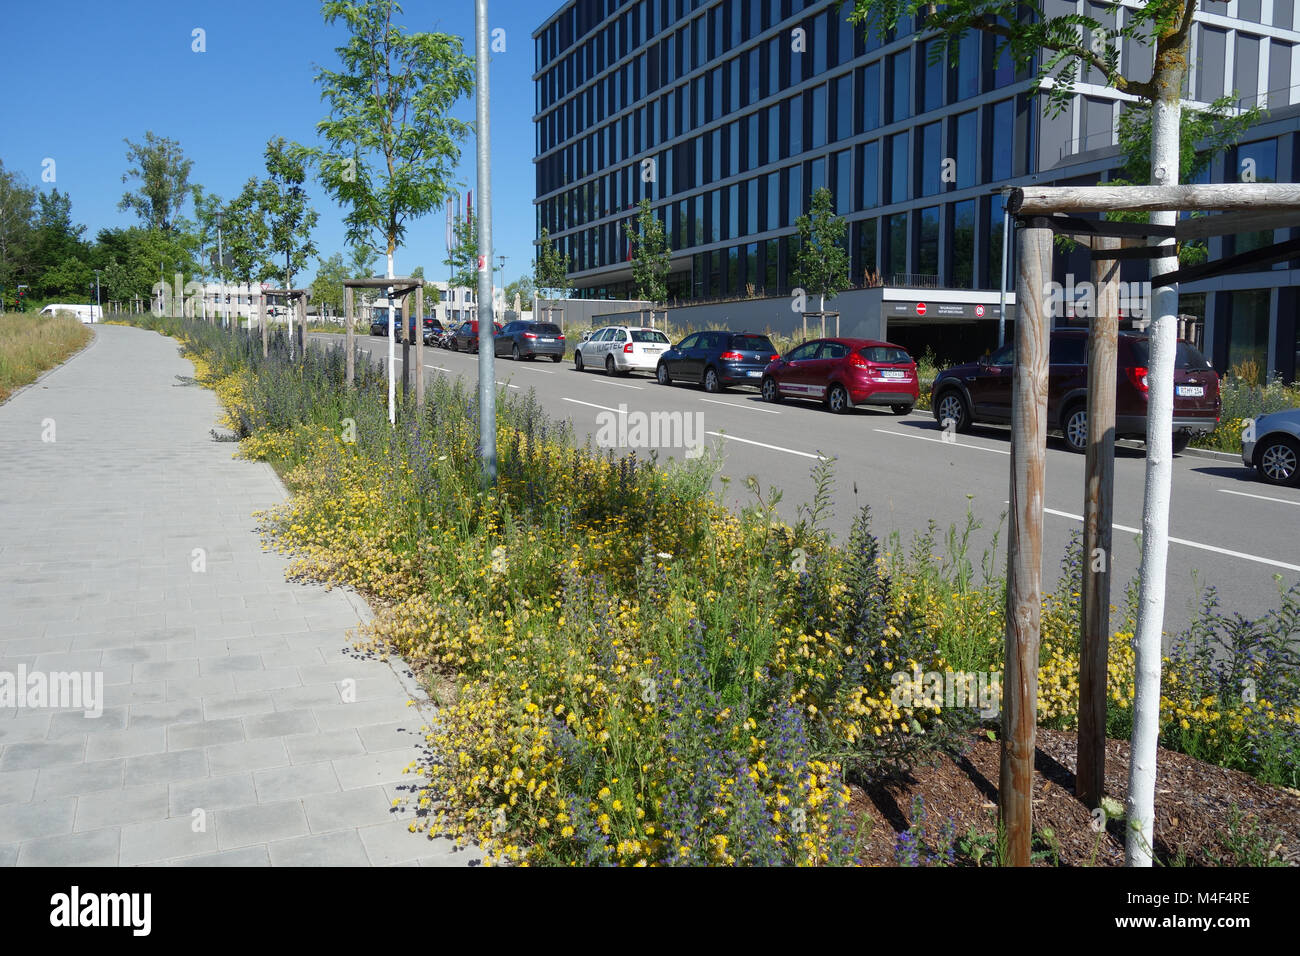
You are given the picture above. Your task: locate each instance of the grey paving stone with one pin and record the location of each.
(165, 840)
(98, 848)
(295, 782)
(313, 748)
(67, 723)
(341, 848)
(113, 808)
(164, 714)
(276, 678)
(17, 786)
(212, 666)
(204, 733)
(346, 809)
(22, 756)
(363, 713)
(246, 856)
(248, 755)
(370, 770)
(311, 695)
(393, 842)
(126, 743)
(394, 735)
(28, 821)
(166, 767)
(212, 793)
(8, 855)
(80, 778)
(201, 687)
(24, 727)
(238, 705)
(261, 824)
(280, 724)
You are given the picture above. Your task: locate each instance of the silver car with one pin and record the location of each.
(621, 349)
(1271, 445)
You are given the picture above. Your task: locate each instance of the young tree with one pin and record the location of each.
(462, 257)
(392, 143)
(327, 287)
(1060, 48)
(246, 237)
(207, 209)
(521, 289)
(822, 262)
(551, 268)
(282, 201)
(164, 173)
(651, 257)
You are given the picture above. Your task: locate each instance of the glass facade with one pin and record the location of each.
(737, 124)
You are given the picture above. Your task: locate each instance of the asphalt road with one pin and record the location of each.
(1227, 529)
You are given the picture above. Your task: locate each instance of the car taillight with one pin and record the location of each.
(560, 337)
(731, 357)
(628, 348)
(529, 335)
(857, 361)
(1137, 375)
(774, 358)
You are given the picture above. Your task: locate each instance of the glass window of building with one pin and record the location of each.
(733, 80)
(895, 243)
(732, 164)
(843, 107)
(775, 136)
(751, 146)
(816, 175)
(751, 265)
(773, 200)
(1001, 70)
(932, 76)
(749, 213)
(1253, 162)
(817, 44)
(1248, 332)
(794, 127)
(927, 243)
(968, 65)
(753, 65)
(715, 161)
(965, 147)
(896, 169)
(771, 265)
(869, 174)
(819, 117)
(870, 108)
(733, 212)
(865, 232)
(795, 194)
(715, 215)
(772, 65)
(929, 140)
(734, 276)
(900, 86)
(962, 244)
(716, 102)
(843, 182)
(1000, 134)
(993, 220)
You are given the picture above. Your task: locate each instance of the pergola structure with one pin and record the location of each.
(296, 299)
(1041, 213)
(401, 287)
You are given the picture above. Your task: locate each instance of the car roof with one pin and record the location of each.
(860, 343)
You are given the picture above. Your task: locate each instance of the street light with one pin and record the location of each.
(221, 265)
(97, 305)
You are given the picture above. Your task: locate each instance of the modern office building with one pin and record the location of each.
(728, 114)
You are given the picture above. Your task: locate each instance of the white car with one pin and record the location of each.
(86, 313)
(621, 349)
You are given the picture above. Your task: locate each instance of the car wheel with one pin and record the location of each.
(1074, 424)
(577, 360)
(1277, 458)
(837, 400)
(771, 393)
(609, 366)
(514, 352)
(662, 376)
(1181, 441)
(901, 409)
(952, 408)
(556, 358)
(712, 383)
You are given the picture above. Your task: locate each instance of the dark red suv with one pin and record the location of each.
(981, 391)
(844, 373)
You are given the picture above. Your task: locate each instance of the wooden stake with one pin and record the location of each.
(419, 347)
(1098, 495)
(1025, 539)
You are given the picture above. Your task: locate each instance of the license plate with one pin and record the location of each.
(892, 374)
(546, 340)
(654, 351)
(1191, 391)
(754, 374)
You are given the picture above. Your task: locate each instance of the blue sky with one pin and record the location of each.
(92, 73)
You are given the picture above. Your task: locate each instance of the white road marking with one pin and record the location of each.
(438, 368)
(1190, 544)
(507, 385)
(955, 444)
(619, 384)
(1246, 494)
(603, 408)
(788, 451)
(752, 408)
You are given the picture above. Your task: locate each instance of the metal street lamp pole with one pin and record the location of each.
(97, 305)
(221, 270)
(487, 395)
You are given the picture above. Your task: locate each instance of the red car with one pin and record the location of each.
(845, 373)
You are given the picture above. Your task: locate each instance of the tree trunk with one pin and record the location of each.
(1170, 68)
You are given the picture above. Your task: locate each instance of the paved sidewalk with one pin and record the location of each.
(225, 737)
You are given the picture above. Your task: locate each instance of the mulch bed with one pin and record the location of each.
(1193, 804)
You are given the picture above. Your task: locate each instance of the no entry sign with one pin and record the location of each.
(920, 308)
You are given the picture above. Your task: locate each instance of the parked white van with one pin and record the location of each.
(87, 313)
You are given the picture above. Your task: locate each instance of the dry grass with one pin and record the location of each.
(30, 344)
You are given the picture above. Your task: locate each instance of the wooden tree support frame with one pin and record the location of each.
(1251, 206)
(295, 299)
(823, 316)
(402, 286)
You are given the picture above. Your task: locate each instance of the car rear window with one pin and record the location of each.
(752, 343)
(884, 355)
(649, 335)
(1187, 358)
(544, 328)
